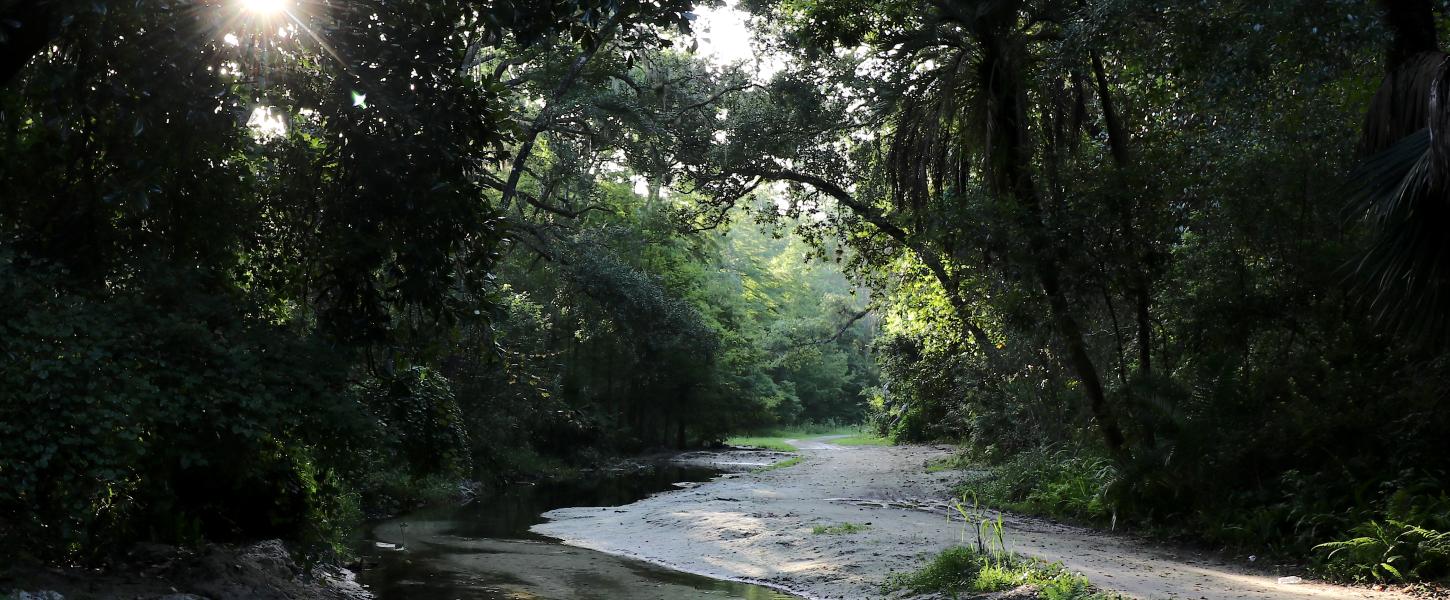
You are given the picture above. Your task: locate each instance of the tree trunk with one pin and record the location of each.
(1142, 292)
(1001, 76)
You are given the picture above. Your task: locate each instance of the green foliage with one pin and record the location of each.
(160, 413)
(1390, 551)
(1050, 482)
(955, 462)
(424, 424)
(960, 571)
(249, 268)
(1149, 269)
(428, 261)
(1408, 540)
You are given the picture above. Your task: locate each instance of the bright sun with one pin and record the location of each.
(265, 8)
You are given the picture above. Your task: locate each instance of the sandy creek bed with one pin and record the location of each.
(756, 527)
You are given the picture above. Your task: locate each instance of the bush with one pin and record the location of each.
(165, 415)
(421, 422)
(1409, 540)
(1389, 551)
(1047, 481)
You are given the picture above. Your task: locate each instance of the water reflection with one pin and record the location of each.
(484, 551)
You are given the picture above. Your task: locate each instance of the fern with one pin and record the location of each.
(1389, 551)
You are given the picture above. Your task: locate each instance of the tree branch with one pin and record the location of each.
(541, 122)
(931, 259)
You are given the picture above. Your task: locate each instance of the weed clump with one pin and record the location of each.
(840, 529)
(789, 462)
(961, 571)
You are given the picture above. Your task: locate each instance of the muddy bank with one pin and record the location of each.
(261, 571)
(758, 527)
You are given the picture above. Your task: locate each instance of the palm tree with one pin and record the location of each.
(1403, 188)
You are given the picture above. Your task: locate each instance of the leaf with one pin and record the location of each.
(1391, 568)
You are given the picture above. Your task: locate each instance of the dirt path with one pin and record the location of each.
(756, 527)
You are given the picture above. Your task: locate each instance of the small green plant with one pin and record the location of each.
(962, 571)
(840, 529)
(990, 535)
(789, 462)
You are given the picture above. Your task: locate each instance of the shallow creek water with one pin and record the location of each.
(484, 551)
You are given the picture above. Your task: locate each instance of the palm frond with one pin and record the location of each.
(1404, 270)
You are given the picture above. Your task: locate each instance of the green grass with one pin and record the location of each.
(774, 439)
(862, 439)
(960, 571)
(789, 462)
(765, 443)
(840, 529)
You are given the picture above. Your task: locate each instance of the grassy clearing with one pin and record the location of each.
(789, 462)
(862, 439)
(764, 443)
(840, 528)
(774, 439)
(961, 571)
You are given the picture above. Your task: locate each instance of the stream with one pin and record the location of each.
(484, 551)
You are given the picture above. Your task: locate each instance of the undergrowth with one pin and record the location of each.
(964, 571)
(1056, 483)
(981, 564)
(1398, 535)
(1409, 540)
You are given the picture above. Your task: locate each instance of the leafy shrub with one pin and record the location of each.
(1389, 551)
(165, 415)
(421, 421)
(1047, 481)
(1409, 540)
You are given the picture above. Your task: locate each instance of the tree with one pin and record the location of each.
(1401, 189)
